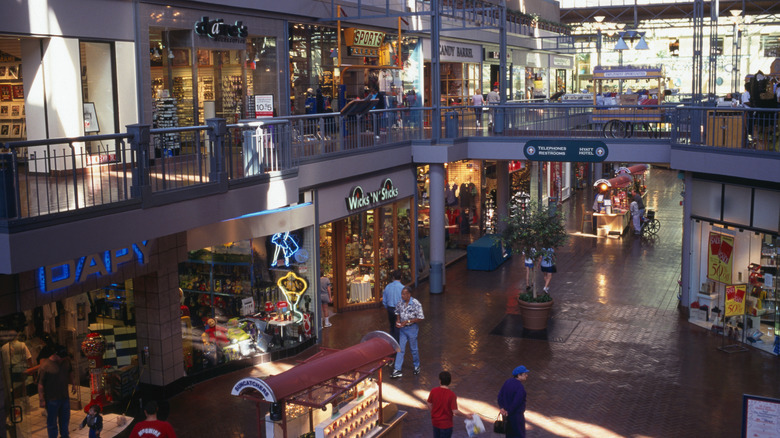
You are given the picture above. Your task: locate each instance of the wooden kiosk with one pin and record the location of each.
(334, 393)
(622, 114)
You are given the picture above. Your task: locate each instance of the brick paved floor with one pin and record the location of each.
(632, 366)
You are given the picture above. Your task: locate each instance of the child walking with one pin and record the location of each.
(94, 421)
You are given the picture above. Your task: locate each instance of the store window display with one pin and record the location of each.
(360, 252)
(236, 303)
(737, 285)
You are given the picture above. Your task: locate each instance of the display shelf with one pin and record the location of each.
(359, 418)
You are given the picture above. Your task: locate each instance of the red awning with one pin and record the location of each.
(325, 375)
(637, 169)
(617, 182)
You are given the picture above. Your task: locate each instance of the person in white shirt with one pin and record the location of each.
(478, 101)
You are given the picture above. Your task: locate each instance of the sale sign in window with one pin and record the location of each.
(735, 299)
(719, 258)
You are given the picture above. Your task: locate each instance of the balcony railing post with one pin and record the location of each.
(216, 133)
(139, 143)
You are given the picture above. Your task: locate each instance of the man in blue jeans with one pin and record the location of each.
(408, 313)
(391, 296)
(54, 375)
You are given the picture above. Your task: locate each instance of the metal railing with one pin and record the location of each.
(45, 177)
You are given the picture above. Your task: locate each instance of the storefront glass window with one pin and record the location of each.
(311, 64)
(735, 288)
(12, 111)
(97, 85)
(360, 257)
(518, 82)
(233, 306)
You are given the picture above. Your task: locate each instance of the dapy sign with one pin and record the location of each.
(74, 271)
(359, 199)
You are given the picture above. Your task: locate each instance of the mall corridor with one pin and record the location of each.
(620, 360)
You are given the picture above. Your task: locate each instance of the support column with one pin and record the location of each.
(437, 216)
(157, 314)
(503, 194)
(685, 269)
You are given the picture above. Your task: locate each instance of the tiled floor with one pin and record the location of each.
(34, 425)
(631, 366)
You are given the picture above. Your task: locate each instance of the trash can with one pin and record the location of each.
(8, 201)
(451, 124)
(435, 278)
(498, 120)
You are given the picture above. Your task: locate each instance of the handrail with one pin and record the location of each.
(57, 175)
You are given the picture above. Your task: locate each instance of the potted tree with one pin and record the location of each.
(533, 230)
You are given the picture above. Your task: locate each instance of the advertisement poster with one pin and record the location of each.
(264, 105)
(721, 248)
(735, 299)
(760, 417)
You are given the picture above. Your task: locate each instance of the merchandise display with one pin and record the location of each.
(12, 112)
(368, 246)
(358, 418)
(222, 288)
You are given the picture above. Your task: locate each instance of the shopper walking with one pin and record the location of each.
(548, 267)
(54, 375)
(511, 402)
(639, 202)
(152, 427)
(390, 297)
(94, 421)
(443, 404)
(478, 102)
(409, 312)
(636, 218)
(493, 98)
(326, 297)
(529, 271)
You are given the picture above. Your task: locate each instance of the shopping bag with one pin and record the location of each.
(499, 426)
(474, 425)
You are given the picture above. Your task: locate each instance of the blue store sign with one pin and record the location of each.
(575, 151)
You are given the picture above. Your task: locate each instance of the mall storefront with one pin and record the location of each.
(365, 233)
(733, 263)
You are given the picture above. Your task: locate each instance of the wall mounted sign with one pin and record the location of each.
(359, 199)
(220, 31)
(75, 271)
(575, 151)
(450, 51)
(363, 51)
(256, 384)
(362, 37)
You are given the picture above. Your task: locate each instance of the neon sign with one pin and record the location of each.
(60, 275)
(293, 287)
(285, 244)
(359, 199)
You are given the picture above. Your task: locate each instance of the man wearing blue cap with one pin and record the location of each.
(511, 402)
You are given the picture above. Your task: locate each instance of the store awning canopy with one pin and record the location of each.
(617, 182)
(323, 377)
(636, 169)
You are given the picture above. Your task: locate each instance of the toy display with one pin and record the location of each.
(93, 347)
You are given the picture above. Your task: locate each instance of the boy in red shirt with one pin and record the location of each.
(443, 404)
(152, 427)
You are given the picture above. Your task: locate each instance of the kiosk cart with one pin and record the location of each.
(334, 393)
(637, 175)
(620, 115)
(609, 219)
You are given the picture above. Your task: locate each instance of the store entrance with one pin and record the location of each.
(220, 84)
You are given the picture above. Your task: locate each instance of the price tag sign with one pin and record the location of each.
(264, 105)
(735, 299)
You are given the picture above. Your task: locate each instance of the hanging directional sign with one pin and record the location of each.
(575, 151)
